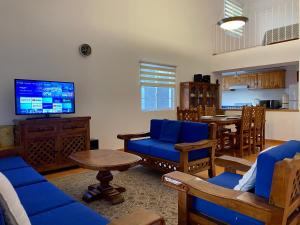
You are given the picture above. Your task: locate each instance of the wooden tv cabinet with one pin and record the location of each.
(47, 143)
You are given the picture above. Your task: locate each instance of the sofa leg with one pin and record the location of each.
(212, 172)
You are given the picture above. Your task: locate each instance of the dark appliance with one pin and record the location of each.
(94, 144)
(275, 104)
(265, 103)
(271, 104)
(198, 78)
(206, 79)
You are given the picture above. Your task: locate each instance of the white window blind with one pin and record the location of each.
(233, 8)
(157, 84)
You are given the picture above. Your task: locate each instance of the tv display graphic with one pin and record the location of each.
(44, 97)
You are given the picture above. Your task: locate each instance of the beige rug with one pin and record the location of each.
(144, 190)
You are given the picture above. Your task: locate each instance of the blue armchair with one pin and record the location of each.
(175, 145)
(275, 199)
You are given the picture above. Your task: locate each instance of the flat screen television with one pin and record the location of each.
(35, 97)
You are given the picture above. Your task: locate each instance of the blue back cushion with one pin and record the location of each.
(155, 128)
(192, 132)
(170, 131)
(1, 217)
(266, 164)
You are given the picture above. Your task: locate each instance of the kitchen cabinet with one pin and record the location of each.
(261, 80)
(271, 80)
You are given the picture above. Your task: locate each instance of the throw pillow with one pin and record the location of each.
(170, 130)
(14, 213)
(1, 217)
(247, 182)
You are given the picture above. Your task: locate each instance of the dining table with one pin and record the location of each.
(222, 121)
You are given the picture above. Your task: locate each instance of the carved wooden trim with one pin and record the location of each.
(166, 166)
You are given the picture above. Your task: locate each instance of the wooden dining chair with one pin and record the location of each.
(258, 137)
(187, 114)
(200, 111)
(210, 110)
(241, 139)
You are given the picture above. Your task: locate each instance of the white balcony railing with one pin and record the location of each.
(265, 26)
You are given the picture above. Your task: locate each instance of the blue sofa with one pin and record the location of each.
(175, 145)
(274, 200)
(45, 204)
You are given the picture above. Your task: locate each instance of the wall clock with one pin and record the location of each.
(85, 50)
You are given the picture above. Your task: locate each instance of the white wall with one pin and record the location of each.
(265, 15)
(40, 39)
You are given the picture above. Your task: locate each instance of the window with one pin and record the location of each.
(233, 8)
(157, 83)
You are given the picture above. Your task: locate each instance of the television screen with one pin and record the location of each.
(44, 97)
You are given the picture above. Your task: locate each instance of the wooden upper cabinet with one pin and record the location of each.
(249, 79)
(261, 80)
(271, 80)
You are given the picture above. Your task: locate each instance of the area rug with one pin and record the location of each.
(144, 190)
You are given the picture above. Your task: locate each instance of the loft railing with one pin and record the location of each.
(266, 26)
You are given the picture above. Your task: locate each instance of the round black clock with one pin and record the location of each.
(85, 50)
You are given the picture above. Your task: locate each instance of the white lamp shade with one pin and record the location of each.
(233, 23)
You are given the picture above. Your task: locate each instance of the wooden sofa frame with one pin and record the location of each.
(283, 207)
(138, 217)
(184, 165)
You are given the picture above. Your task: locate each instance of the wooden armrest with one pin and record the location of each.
(132, 136)
(195, 145)
(233, 163)
(10, 151)
(242, 202)
(139, 217)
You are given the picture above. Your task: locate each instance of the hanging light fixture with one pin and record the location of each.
(233, 23)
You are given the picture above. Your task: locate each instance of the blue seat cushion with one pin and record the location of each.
(11, 163)
(164, 150)
(141, 146)
(1, 217)
(155, 128)
(192, 132)
(23, 176)
(170, 131)
(72, 214)
(226, 179)
(220, 213)
(266, 164)
(41, 197)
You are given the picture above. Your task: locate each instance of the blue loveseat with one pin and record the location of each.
(275, 199)
(175, 145)
(45, 204)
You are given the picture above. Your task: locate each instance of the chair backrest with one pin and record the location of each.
(200, 111)
(189, 131)
(247, 115)
(192, 132)
(286, 189)
(266, 164)
(210, 111)
(187, 114)
(259, 117)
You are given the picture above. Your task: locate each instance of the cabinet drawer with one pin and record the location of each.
(40, 129)
(74, 126)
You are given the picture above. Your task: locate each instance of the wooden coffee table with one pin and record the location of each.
(105, 161)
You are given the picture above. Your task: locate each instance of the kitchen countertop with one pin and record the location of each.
(268, 110)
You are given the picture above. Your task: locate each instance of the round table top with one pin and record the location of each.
(227, 120)
(105, 160)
